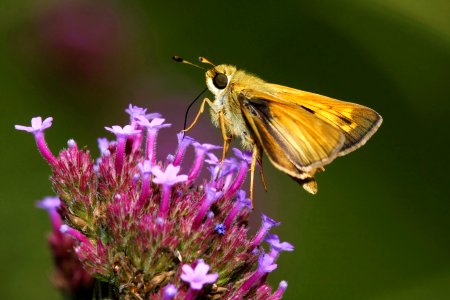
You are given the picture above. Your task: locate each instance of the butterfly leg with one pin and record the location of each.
(201, 110)
(226, 140)
(261, 173)
(255, 156)
(226, 137)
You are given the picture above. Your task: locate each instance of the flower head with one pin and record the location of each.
(198, 276)
(141, 225)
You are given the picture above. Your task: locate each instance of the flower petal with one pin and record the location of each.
(201, 269)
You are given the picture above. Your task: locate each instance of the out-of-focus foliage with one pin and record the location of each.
(377, 229)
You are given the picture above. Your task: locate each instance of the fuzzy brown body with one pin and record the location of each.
(228, 102)
(300, 132)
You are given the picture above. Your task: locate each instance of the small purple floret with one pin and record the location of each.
(183, 143)
(198, 276)
(155, 123)
(220, 229)
(49, 203)
(276, 246)
(145, 167)
(170, 291)
(280, 291)
(267, 224)
(169, 176)
(71, 143)
(136, 111)
(266, 263)
(37, 128)
(241, 202)
(127, 130)
(103, 145)
(36, 125)
(245, 156)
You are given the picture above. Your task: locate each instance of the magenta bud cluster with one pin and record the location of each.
(149, 229)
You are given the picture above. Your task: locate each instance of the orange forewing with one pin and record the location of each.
(290, 133)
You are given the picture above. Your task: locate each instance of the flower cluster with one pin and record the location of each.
(153, 229)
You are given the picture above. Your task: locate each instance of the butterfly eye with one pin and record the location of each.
(220, 81)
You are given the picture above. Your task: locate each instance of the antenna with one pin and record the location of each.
(182, 60)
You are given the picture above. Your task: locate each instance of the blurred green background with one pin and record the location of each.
(378, 228)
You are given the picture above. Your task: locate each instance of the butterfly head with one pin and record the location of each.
(219, 77)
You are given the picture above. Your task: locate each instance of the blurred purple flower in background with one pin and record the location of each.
(144, 229)
(82, 39)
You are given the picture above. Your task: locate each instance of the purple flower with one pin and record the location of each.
(74, 233)
(152, 132)
(205, 147)
(155, 123)
(211, 195)
(170, 291)
(276, 246)
(280, 291)
(200, 151)
(145, 167)
(242, 167)
(183, 143)
(198, 276)
(103, 145)
(49, 203)
(267, 224)
(266, 263)
(169, 177)
(121, 133)
(71, 143)
(212, 159)
(220, 229)
(136, 111)
(241, 202)
(36, 125)
(37, 128)
(126, 214)
(127, 130)
(245, 156)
